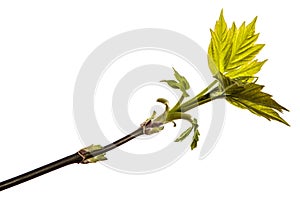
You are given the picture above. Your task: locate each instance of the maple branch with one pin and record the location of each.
(71, 159)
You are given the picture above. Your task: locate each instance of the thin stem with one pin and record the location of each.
(201, 99)
(201, 94)
(115, 144)
(75, 158)
(177, 111)
(178, 103)
(206, 98)
(179, 115)
(206, 89)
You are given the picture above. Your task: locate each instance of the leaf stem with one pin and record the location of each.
(178, 103)
(201, 94)
(201, 99)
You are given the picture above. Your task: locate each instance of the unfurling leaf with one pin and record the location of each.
(188, 131)
(91, 149)
(196, 134)
(172, 83)
(182, 80)
(95, 159)
(195, 138)
(182, 83)
(195, 123)
(184, 134)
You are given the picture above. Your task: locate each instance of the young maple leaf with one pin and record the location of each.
(231, 59)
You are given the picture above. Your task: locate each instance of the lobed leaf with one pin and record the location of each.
(232, 51)
(231, 59)
(249, 69)
(252, 92)
(250, 96)
(257, 109)
(219, 49)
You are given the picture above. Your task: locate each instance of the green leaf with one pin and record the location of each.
(244, 48)
(184, 134)
(182, 83)
(195, 138)
(219, 49)
(182, 80)
(184, 93)
(252, 92)
(257, 109)
(188, 131)
(195, 123)
(172, 83)
(91, 149)
(232, 51)
(250, 96)
(249, 69)
(95, 159)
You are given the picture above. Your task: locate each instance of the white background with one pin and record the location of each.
(42, 47)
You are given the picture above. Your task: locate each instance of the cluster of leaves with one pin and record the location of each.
(231, 56)
(188, 131)
(183, 85)
(231, 59)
